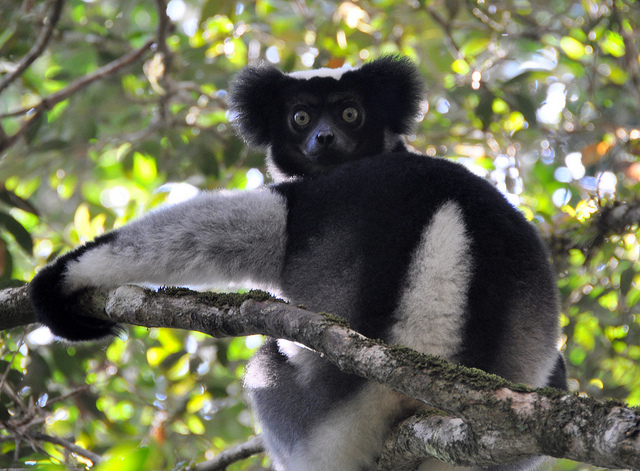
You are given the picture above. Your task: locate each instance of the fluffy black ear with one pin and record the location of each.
(395, 85)
(252, 102)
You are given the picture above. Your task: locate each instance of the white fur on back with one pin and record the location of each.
(431, 309)
(429, 319)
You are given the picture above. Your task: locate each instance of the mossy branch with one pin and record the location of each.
(487, 420)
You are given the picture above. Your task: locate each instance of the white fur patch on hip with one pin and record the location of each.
(432, 306)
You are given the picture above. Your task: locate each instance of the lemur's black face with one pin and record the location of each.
(325, 129)
(324, 124)
(313, 121)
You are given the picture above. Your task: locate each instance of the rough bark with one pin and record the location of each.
(488, 420)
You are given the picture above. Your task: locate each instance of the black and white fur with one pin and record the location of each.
(410, 249)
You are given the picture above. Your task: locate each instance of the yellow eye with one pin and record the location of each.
(350, 115)
(301, 118)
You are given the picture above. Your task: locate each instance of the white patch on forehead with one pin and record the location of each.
(432, 307)
(324, 72)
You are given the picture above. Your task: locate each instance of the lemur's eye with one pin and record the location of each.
(350, 115)
(301, 118)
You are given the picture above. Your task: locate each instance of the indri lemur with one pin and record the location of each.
(410, 249)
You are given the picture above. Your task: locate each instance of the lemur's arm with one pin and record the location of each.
(213, 239)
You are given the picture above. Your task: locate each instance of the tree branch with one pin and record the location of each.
(617, 217)
(588, 236)
(504, 422)
(251, 447)
(446, 28)
(38, 48)
(69, 445)
(630, 54)
(55, 98)
(15, 309)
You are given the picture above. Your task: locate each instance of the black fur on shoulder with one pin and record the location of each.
(61, 311)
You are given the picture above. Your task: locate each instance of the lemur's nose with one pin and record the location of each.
(324, 138)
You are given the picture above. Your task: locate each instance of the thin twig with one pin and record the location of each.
(69, 445)
(55, 98)
(446, 27)
(164, 25)
(38, 48)
(251, 447)
(13, 357)
(71, 393)
(630, 54)
(485, 18)
(165, 55)
(9, 391)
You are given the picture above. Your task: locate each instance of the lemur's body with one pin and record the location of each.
(410, 249)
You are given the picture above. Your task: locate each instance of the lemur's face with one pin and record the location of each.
(313, 121)
(325, 123)
(325, 128)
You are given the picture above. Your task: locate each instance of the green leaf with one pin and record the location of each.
(523, 103)
(10, 198)
(4, 412)
(573, 48)
(617, 74)
(460, 67)
(612, 43)
(475, 46)
(19, 233)
(626, 280)
(125, 458)
(144, 168)
(609, 300)
(34, 127)
(484, 110)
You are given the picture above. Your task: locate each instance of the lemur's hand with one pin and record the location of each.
(57, 305)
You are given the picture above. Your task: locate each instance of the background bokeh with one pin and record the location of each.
(540, 97)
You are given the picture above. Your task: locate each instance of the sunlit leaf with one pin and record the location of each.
(82, 222)
(499, 106)
(179, 369)
(125, 458)
(609, 301)
(577, 356)
(617, 74)
(156, 355)
(475, 46)
(195, 425)
(514, 122)
(460, 67)
(572, 47)
(586, 330)
(144, 168)
(612, 43)
(198, 402)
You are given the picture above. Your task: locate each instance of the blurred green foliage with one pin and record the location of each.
(541, 97)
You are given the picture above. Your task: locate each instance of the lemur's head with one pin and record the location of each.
(314, 120)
